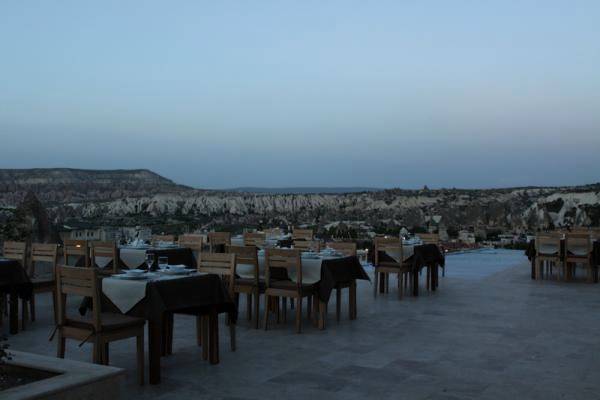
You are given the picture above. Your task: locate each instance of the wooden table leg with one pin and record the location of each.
(382, 283)
(13, 312)
(322, 312)
(213, 337)
(352, 299)
(154, 350)
(533, 268)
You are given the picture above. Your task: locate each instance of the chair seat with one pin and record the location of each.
(292, 286)
(386, 264)
(250, 282)
(40, 281)
(110, 321)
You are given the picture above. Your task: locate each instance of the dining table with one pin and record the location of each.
(156, 296)
(418, 257)
(531, 253)
(15, 282)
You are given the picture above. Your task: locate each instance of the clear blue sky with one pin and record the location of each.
(320, 93)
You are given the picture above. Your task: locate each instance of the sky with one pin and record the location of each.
(470, 94)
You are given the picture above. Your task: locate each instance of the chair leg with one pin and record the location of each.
(444, 270)
(309, 307)
(257, 309)
(105, 353)
(61, 342)
(375, 283)
(338, 304)
(96, 352)
(299, 315)
(55, 307)
(267, 307)
(232, 338)
(139, 341)
(249, 306)
(400, 284)
(24, 313)
(284, 309)
(32, 307)
(352, 299)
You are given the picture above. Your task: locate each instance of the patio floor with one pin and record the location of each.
(492, 335)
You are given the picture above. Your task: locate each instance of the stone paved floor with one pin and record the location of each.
(489, 333)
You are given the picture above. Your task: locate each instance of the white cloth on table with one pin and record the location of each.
(407, 252)
(132, 258)
(311, 270)
(102, 262)
(549, 249)
(124, 294)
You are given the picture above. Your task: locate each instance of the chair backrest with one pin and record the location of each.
(429, 238)
(191, 241)
(76, 248)
(42, 252)
(548, 244)
(595, 233)
(104, 249)
(578, 244)
(307, 245)
(393, 245)
(247, 255)
(302, 234)
(254, 239)
(218, 239)
(288, 259)
(156, 239)
(79, 282)
(273, 232)
(346, 248)
(16, 251)
(222, 264)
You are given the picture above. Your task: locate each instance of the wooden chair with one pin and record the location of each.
(156, 239)
(348, 249)
(290, 260)
(400, 267)
(302, 234)
(218, 239)
(256, 239)
(432, 238)
(222, 264)
(253, 287)
(99, 328)
(108, 250)
(307, 245)
(578, 249)
(273, 232)
(191, 241)
(16, 251)
(43, 283)
(76, 248)
(547, 248)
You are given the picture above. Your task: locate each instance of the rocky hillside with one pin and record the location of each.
(65, 185)
(142, 197)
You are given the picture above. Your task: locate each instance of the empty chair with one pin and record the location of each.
(104, 253)
(348, 249)
(256, 239)
(217, 241)
(392, 264)
(191, 241)
(302, 234)
(247, 279)
(16, 251)
(43, 281)
(307, 245)
(76, 253)
(157, 239)
(99, 328)
(222, 264)
(578, 249)
(547, 248)
(432, 238)
(291, 261)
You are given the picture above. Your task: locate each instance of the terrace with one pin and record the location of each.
(489, 332)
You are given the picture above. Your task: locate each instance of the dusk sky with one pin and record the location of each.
(313, 93)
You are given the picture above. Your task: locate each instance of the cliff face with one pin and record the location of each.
(64, 185)
(133, 197)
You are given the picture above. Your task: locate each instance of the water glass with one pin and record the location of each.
(149, 261)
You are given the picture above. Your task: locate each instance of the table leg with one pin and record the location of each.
(434, 276)
(352, 299)
(154, 350)
(533, 268)
(13, 313)
(382, 283)
(213, 337)
(322, 312)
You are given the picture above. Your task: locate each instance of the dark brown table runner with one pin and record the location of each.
(339, 270)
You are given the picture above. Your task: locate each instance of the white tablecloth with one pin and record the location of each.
(311, 270)
(407, 251)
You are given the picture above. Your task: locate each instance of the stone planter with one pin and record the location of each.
(55, 378)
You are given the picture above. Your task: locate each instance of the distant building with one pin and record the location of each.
(105, 233)
(467, 237)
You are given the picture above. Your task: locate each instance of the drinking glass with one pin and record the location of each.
(149, 261)
(163, 262)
